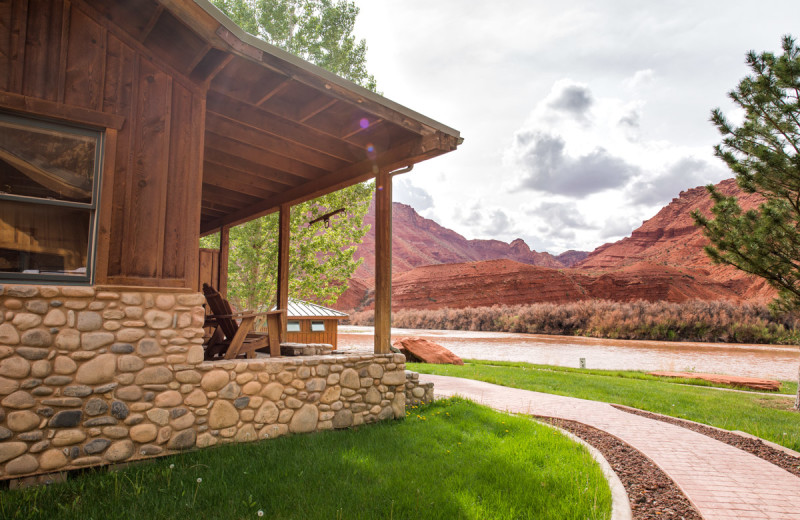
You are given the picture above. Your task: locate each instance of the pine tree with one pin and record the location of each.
(764, 154)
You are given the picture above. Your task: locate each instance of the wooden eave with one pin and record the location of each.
(278, 130)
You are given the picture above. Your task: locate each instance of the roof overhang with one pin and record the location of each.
(278, 130)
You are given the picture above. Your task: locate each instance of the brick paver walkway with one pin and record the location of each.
(723, 482)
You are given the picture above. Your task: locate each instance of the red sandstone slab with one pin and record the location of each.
(755, 383)
(425, 351)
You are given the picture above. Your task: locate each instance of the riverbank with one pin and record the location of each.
(764, 361)
(703, 321)
(767, 417)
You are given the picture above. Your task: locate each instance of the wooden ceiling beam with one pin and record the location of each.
(227, 198)
(281, 127)
(410, 152)
(318, 105)
(197, 59)
(208, 214)
(213, 206)
(272, 92)
(274, 160)
(357, 129)
(222, 177)
(289, 150)
(286, 112)
(345, 94)
(151, 23)
(208, 209)
(221, 93)
(212, 64)
(247, 167)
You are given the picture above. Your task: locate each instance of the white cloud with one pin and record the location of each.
(473, 217)
(546, 167)
(640, 79)
(499, 224)
(404, 191)
(574, 99)
(686, 173)
(560, 215)
(618, 227)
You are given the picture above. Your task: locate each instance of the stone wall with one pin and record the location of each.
(417, 392)
(92, 376)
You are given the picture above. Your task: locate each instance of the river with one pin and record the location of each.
(768, 361)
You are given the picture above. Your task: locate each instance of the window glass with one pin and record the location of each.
(39, 239)
(317, 326)
(45, 162)
(293, 326)
(48, 185)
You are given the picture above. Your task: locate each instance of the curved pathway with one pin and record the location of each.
(723, 482)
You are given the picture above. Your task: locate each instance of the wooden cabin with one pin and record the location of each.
(128, 130)
(311, 323)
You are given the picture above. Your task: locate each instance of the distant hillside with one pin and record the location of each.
(419, 241)
(487, 283)
(435, 267)
(572, 257)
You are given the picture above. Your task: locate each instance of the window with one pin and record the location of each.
(293, 326)
(317, 326)
(49, 180)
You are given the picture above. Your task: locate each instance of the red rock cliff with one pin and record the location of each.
(419, 241)
(663, 259)
(670, 238)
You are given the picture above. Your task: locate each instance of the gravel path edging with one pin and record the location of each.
(620, 501)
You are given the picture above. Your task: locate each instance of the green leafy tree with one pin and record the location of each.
(764, 153)
(321, 259)
(319, 31)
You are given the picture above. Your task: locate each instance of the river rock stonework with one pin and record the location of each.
(417, 392)
(100, 375)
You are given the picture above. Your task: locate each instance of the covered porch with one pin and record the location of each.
(280, 131)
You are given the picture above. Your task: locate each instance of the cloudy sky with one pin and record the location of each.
(581, 119)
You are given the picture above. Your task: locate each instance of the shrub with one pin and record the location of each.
(688, 321)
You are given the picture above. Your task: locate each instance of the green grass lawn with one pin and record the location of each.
(769, 417)
(452, 459)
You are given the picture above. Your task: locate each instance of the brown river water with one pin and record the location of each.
(768, 361)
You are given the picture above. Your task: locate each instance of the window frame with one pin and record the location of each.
(294, 322)
(318, 322)
(92, 207)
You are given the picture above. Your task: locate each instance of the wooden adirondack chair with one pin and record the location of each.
(232, 338)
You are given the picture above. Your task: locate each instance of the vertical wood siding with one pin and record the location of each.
(63, 51)
(306, 336)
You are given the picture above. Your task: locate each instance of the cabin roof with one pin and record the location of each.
(303, 309)
(278, 130)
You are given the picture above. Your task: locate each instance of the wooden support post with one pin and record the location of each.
(284, 218)
(383, 262)
(224, 246)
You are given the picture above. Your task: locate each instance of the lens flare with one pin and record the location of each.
(364, 123)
